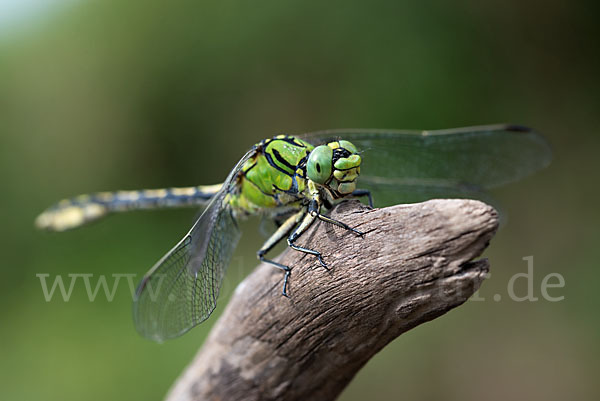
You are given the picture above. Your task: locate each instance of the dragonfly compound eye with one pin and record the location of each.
(319, 164)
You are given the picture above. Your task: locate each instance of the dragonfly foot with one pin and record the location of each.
(322, 262)
(357, 232)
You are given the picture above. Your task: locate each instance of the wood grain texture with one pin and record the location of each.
(414, 264)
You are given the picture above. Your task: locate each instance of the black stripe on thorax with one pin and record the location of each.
(262, 148)
(282, 160)
(275, 166)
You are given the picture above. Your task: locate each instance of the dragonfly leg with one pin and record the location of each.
(339, 224)
(286, 269)
(309, 251)
(357, 193)
(309, 218)
(283, 230)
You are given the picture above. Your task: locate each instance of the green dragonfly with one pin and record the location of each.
(294, 180)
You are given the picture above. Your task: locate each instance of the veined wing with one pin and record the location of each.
(411, 166)
(181, 290)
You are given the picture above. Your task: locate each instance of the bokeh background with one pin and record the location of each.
(104, 95)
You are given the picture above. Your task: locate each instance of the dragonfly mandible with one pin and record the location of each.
(295, 180)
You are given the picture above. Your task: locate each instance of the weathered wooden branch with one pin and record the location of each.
(414, 264)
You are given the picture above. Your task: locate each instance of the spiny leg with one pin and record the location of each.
(283, 230)
(309, 218)
(315, 210)
(339, 224)
(313, 213)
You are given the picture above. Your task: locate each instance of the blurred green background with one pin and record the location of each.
(104, 95)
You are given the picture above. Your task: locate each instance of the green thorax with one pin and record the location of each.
(274, 176)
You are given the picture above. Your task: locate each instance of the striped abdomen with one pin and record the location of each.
(74, 212)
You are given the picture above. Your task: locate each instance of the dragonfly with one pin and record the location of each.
(295, 181)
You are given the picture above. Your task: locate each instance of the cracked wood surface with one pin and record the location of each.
(414, 264)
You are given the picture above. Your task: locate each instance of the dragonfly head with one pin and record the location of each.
(335, 165)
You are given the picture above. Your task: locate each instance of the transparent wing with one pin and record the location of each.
(181, 290)
(412, 166)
